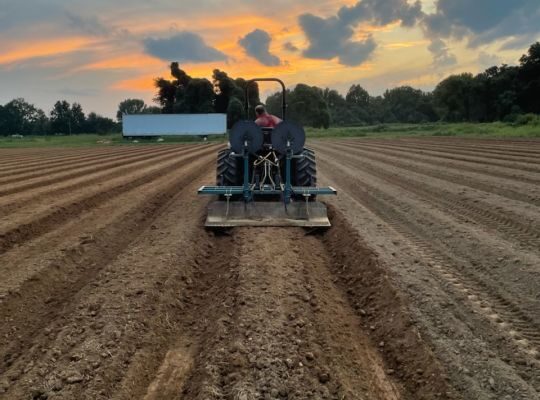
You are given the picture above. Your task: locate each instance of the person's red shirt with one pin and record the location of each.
(267, 120)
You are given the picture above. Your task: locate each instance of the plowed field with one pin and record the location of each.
(426, 287)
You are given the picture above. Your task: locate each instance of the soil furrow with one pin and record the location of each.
(522, 166)
(49, 177)
(384, 205)
(316, 342)
(47, 296)
(510, 189)
(83, 179)
(512, 227)
(425, 287)
(496, 172)
(73, 155)
(40, 170)
(43, 224)
(477, 152)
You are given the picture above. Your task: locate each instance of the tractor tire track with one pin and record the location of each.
(511, 322)
(384, 206)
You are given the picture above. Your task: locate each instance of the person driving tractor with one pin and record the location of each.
(264, 119)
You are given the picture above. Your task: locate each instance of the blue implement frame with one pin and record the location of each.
(248, 190)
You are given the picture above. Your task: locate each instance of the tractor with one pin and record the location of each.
(266, 177)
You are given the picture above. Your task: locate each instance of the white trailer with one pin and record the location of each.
(147, 125)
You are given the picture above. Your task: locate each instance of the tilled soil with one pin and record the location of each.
(457, 222)
(426, 286)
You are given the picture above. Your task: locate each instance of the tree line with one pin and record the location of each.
(20, 117)
(500, 93)
(184, 94)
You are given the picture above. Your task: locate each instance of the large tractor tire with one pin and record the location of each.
(305, 171)
(228, 172)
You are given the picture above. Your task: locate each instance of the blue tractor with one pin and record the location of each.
(266, 177)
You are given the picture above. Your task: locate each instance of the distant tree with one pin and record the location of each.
(21, 117)
(153, 110)
(409, 105)
(66, 118)
(130, 106)
(341, 112)
(3, 121)
(529, 76)
(197, 97)
(499, 93)
(224, 89)
(166, 95)
(97, 124)
(184, 94)
(357, 96)
(307, 106)
(230, 96)
(78, 118)
(274, 102)
(254, 96)
(454, 96)
(235, 111)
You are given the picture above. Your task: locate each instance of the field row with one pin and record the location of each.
(458, 222)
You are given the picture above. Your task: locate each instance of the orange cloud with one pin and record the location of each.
(135, 61)
(144, 83)
(406, 45)
(44, 48)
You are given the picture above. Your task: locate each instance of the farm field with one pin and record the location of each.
(426, 287)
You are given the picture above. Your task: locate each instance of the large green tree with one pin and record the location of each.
(454, 96)
(98, 124)
(66, 118)
(21, 117)
(405, 104)
(130, 106)
(529, 75)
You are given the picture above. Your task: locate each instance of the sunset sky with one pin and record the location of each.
(100, 52)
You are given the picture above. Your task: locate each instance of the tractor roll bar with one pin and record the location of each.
(283, 96)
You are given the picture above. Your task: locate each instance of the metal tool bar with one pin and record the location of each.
(236, 190)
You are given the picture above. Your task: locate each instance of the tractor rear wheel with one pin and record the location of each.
(228, 171)
(305, 171)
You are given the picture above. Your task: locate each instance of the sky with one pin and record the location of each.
(100, 52)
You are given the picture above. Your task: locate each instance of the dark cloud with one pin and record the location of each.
(290, 47)
(356, 53)
(87, 24)
(520, 42)
(332, 37)
(441, 54)
(483, 21)
(381, 12)
(257, 45)
(183, 47)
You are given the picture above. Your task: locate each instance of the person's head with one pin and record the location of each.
(260, 110)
